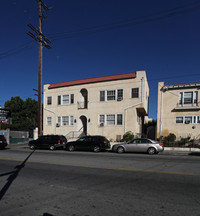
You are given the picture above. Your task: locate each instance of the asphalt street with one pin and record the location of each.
(48, 183)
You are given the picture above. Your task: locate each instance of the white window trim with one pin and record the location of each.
(105, 119)
(183, 97)
(70, 121)
(47, 100)
(61, 103)
(138, 92)
(106, 95)
(193, 117)
(47, 121)
(59, 122)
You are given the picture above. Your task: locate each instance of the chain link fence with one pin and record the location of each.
(14, 137)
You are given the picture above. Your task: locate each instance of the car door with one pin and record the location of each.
(52, 140)
(63, 141)
(91, 143)
(88, 143)
(81, 143)
(142, 146)
(41, 142)
(132, 145)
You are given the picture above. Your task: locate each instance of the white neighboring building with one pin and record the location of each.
(178, 110)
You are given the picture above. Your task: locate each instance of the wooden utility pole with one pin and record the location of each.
(42, 41)
(40, 72)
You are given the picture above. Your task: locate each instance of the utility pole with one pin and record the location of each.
(42, 41)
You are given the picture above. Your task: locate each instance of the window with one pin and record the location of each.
(102, 95)
(49, 121)
(59, 121)
(179, 120)
(65, 99)
(119, 119)
(110, 95)
(110, 119)
(119, 94)
(49, 100)
(101, 119)
(188, 98)
(65, 120)
(71, 120)
(135, 93)
(181, 98)
(59, 99)
(188, 119)
(72, 98)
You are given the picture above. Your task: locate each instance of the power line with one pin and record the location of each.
(16, 50)
(163, 14)
(130, 22)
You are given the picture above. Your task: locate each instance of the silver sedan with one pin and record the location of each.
(139, 145)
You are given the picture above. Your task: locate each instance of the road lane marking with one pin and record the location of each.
(106, 168)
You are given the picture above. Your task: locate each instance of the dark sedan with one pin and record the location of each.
(89, 143)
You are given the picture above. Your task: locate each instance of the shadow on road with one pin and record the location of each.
(13, 176)
(47, 214)
(194, 154)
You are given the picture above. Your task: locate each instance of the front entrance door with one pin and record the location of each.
(84, 124)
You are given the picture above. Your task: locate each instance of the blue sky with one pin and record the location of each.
(97, 38)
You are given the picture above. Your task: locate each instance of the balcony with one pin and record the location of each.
(82, 105)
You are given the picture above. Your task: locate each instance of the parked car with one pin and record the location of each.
(48, 142)
(3, 142)
(139, 145)
(89, 143)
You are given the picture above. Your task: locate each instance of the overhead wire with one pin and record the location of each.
(16, 50)
(163, 14)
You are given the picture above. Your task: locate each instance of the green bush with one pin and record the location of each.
(170, 139)
(128, 136)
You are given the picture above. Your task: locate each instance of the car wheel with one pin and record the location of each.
(152, 151)
(71, 148)
(96, 149)
(120, 149)
(52, 147)
(32, 147)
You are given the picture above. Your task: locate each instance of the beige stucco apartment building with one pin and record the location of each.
(178, 110)
(107, 105)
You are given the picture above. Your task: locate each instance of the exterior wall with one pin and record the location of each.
(130, 108)
(168, 110)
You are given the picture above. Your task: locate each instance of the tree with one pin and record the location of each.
(23, 113)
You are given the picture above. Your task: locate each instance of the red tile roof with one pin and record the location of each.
(94, 80)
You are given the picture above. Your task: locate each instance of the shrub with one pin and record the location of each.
(169, 140)
(128, 136)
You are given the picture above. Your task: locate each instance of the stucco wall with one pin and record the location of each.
(168, 110)
(127, 107)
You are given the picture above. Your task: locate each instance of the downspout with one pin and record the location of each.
(125, 110)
